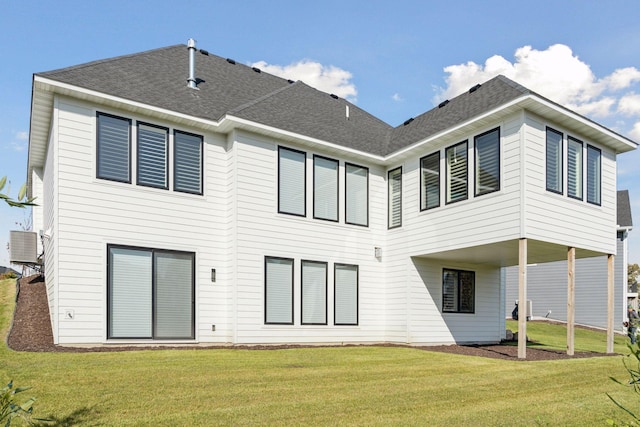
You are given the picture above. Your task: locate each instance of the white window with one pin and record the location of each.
(113, 148)
(554, 161)
(153, 156)
(278, 291)
(487, 162)
(187, 159)
(594, 174)
(325, 188)
(292, 182)
(395, 197)
(150, 293)
(457, 184)
(430, 171)
(346, 294)
(357, 195)
(574, 168)
(314, 293)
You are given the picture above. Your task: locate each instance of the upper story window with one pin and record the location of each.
(574, 168)
(430, 173)
(292, 183)
(187, 164)
(356, 194)
(325, 188)
(487, 162)
(113, 148)
(594, 175)
(395, 197)
(153, 156)
(554, 161)
(457, 186)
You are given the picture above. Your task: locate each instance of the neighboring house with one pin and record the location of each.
(5, 270)
(188, 198)
(547, 282)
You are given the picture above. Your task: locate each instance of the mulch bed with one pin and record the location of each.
(31, 331)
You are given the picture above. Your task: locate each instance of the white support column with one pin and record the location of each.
(571, 298)
(610, 302)
(522, 299)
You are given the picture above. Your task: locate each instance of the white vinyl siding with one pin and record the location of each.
(325, 188)
(187, 167)
(292, 181)
(574, 168)
(594, 175)
(395, 197)
(554, 160)
(153, 151)
(314, 293)
(114, 148)
(278, 291)
(487, 162)
(346, 294)
(430, 188)
(174, 297)
(457, 184)
(357, 195)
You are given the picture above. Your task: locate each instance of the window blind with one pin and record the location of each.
(357, 195)
(113, 148)
(314, 293)
(430, 168)
(395, 197)
(152, 156)
(487, 162)
(594, 175)
(187, 163)
(346, 294)
(278, 290)
(457, 172)
(574, 168)
(554, 161)
(174, 295)
(291, 181)
(325, 188)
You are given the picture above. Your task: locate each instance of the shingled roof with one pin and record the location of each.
(624, 209)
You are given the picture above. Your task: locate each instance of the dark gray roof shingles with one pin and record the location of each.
(624, 209)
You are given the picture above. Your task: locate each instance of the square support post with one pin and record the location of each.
(522, 299)
(571, 298)
(610, 302)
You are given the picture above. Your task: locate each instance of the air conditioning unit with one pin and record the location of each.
(529, 308)
(23, 247)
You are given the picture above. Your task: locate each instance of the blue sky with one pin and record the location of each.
(394, 59)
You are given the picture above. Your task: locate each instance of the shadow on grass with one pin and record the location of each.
(78, 417)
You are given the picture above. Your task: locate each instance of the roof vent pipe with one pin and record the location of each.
(191, 81)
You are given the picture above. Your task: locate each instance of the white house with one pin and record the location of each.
(187, 198)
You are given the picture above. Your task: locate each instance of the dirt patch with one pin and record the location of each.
(31, 331)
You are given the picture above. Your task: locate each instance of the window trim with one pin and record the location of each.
(337, 189)
(592, 148)
(346, 194)
(166, 160)
(560, 161)
(304, 187)
(579, 174)
(266, 302)
(335, 300)
(152, 251)
(390, 225)
(477, 192)
(326, 293)
(175, 159)
(423, 189)
(457, 285)
(97, 145)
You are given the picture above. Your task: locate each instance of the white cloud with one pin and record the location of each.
(18, 146)
(396, 97)
(326, 78)
(635, 132)
(22, 135)
(629, 104)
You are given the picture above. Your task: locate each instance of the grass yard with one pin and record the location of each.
(319, 386)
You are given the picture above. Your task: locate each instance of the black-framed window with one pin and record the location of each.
(113, 148)
(574, 168)
(292, 181)
(345, 294)
(313, 293)
(356, 194)
(457, 173)
(394, 178)
(278, 294)
(153, 156)
(150, 293)
(430, 188)
(325, 188)
(187, 162)
(487, 150)
(554, 160)
(594, 175)
(458, 291)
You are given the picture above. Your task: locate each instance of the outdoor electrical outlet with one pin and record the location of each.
(69, 315)
(213, 328)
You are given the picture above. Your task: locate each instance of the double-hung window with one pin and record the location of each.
(292, 181)
(554, 161)
(314, 293)
(150, 293)
(356, 194)
(457, 185)
(345, 294)
(113, 148)
(187, 162)
(430, 173)
(487, 162)
(278, 294)
(153, 156)
(394, 178)
(574, 168)
(594, 174)
(458, 291)
(325, 188)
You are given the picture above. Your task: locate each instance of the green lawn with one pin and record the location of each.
(321, 386)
